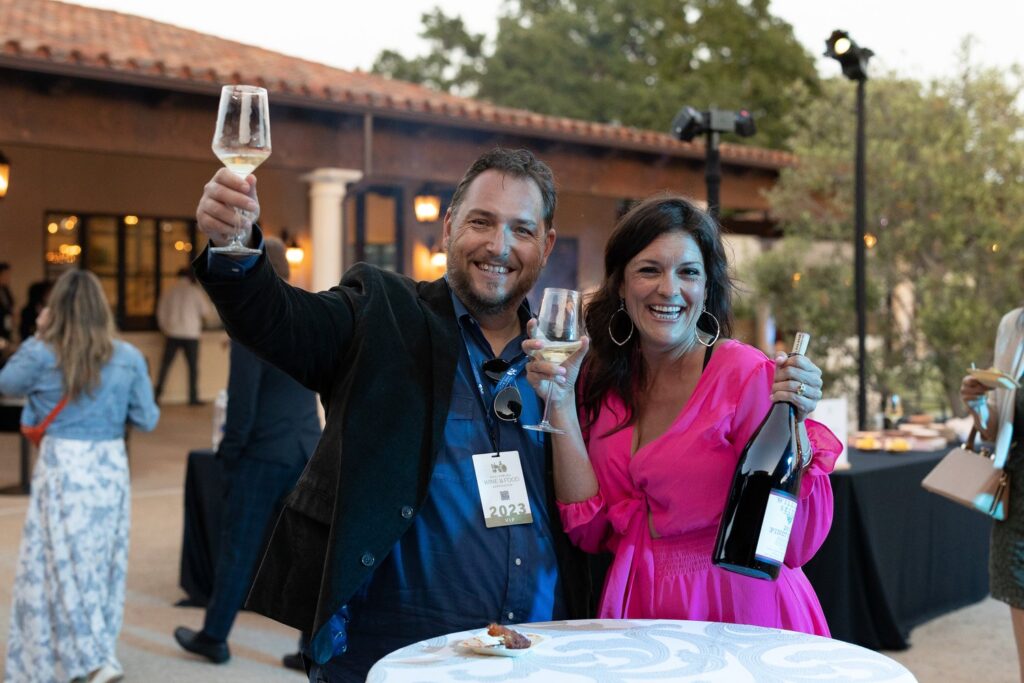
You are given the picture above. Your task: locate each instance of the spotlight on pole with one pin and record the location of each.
(854, 61)
(689, 123)
(852, 57)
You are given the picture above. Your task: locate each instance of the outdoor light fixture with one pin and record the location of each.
(689, 123)
(438, 258)
(854, 61)
(5, 175)
(427, 207)
(293, 253)
(853, 58)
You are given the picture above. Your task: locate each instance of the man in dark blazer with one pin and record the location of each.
(271, 429)
(383, 540)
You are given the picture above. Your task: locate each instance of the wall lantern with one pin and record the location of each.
(5, 174)
(427, 207)
(293, 253)
(438, 257)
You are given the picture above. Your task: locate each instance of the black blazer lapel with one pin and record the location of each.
(444, 338)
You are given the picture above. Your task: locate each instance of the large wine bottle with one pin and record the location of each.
(759, 511)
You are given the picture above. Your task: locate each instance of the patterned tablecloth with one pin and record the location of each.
(609, 650)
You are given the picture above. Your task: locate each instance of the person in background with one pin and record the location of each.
(999, 418)
(6, 305)
(38, 293)
(68, 598)
(271, 429)
(180, 315)
(656, 419)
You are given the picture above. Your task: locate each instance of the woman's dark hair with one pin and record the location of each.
(620, 370)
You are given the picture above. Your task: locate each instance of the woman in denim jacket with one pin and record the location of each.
(68, 597)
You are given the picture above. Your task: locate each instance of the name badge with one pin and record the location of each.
(499, 478)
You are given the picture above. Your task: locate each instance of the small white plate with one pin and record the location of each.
(993, 378)
(480, 647)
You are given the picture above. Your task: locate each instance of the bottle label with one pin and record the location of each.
(778, 522)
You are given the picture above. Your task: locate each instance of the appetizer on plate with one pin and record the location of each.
(510, 638)
(501, 641)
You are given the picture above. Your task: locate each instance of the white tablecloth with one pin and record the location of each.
(609, 650)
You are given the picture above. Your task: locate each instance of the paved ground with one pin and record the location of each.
(146, 648)
(968, 646)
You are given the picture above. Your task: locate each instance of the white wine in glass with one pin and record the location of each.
(559, 327)
(241, 142)
(558, 352)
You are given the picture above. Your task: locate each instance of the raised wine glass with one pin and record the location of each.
(241, 142)
(559, 327)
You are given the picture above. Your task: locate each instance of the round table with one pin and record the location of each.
(613, 650)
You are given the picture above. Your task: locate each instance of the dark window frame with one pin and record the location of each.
(125, 322)
(398, 195)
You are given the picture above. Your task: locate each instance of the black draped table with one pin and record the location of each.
(201, 537)
(897, 555)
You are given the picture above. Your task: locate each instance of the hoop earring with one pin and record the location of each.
(632, 327)
(718, 329)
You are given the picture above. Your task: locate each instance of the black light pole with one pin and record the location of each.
(854, 60)
(689, 123)
(713, 172)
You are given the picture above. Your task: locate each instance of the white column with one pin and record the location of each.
(327, 187)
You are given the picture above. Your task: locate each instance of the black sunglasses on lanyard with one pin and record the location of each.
(508, 404)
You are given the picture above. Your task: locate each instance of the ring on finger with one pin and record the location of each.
(800, 389)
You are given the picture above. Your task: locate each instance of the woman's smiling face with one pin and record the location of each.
(664, 287)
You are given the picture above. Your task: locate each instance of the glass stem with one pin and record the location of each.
(547, 402)
(236, 239)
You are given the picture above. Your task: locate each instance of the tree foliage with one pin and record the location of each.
(634, 62)
(945, 199)
(454, 63)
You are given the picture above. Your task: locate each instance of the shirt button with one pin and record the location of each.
(518, 561)
(511, 616)
(406, 512)
(368, 559)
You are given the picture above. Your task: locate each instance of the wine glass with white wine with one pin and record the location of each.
(241, 142)
(559, 327)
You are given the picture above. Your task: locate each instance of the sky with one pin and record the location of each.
(916, 38)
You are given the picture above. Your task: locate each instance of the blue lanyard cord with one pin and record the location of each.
(506, 381)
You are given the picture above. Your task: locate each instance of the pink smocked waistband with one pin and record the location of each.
(683, 554)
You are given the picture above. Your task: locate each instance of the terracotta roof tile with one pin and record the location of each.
(72, 35)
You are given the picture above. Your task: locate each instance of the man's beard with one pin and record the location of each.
(480, 306)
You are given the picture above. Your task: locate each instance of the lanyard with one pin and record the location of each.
(507, 379)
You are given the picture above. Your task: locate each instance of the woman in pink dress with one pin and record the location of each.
(665, 404)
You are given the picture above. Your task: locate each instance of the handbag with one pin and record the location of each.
(34, 433)
(970, 477)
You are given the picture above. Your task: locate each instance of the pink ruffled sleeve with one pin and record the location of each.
(814, 511)
(586, 523)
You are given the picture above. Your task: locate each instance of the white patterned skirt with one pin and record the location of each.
(68, 598)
